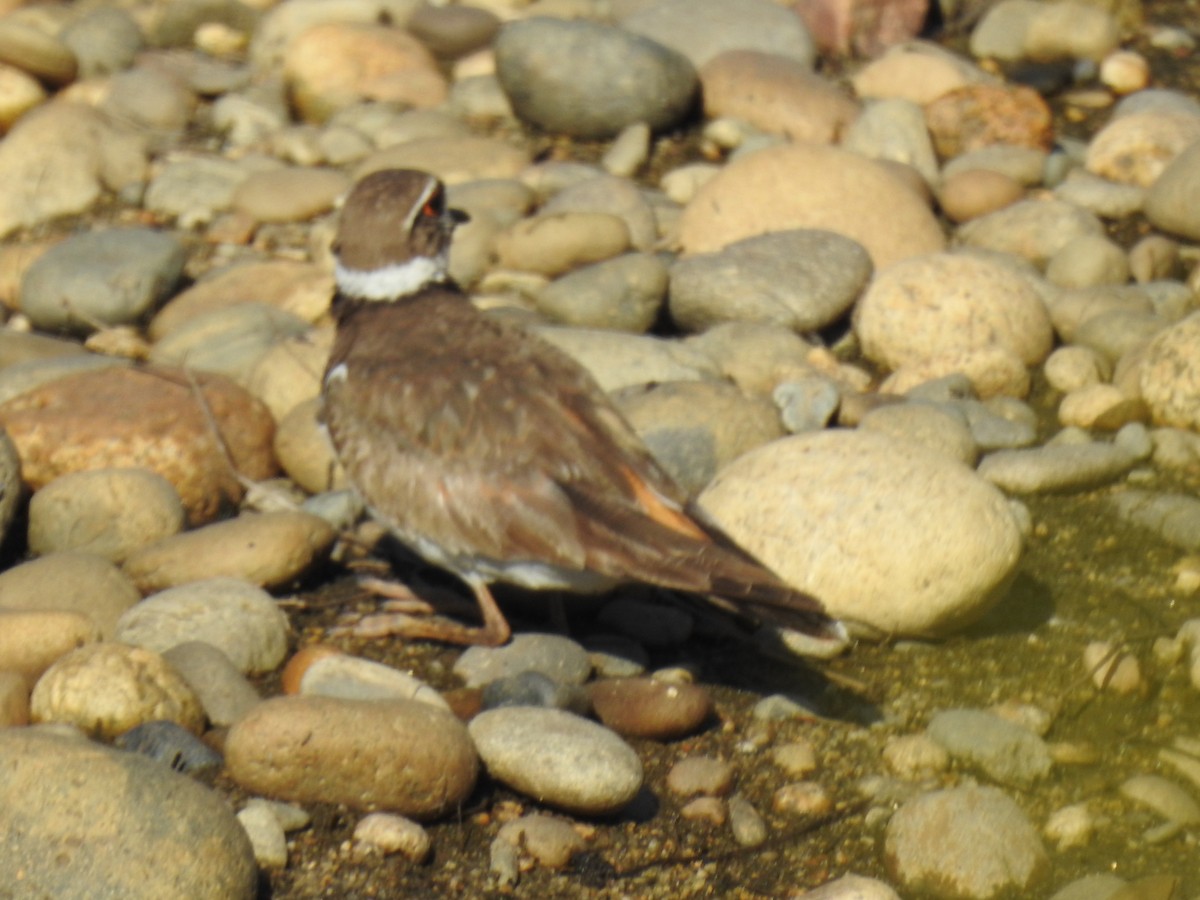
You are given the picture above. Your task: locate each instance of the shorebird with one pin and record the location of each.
(494, 455)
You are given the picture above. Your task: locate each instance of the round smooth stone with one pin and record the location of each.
(108, 512)
(985, 843)
(560, 659)
(929, 306)
(131, 828)
(241, 620)
(645, 708)
(701, 776)
(399, 755)
(558, 758)
(550, 840)
(106, 689)
(591, 80)
(807, 505)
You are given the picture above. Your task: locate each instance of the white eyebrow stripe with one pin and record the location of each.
(431, 186)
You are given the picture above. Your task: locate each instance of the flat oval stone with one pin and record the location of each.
(241, 620)
(399, 755)
(112, 277)
(558, 758)
(268, 549)
(130, 828)
(108, 688)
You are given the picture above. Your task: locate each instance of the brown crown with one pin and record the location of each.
(392, 216)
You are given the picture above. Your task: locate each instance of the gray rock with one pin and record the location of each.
(1159, 100)
(101, 278)
(1176, 517)
(130, 829)
(940, 427)
(59, 159)
(624, 293)
(806, 404)
(693, 428)
(1024, 165)
(223, 691)
(1003, 750)
(22, 377)
(170, 744)
(1106, 198)
(703, 29)
(618, 360)
(558, 758)
(967, 842)
(558, 658)
(105, 40)
(143, 96)
(801, 278)
(992, 430)
(1033, 229)
(229, 341)
(194, 189)
(590, 80)
(534, 689)
(894, 129)
(618, 197)
(1066, 467)
(1088, 260)
(238, 618)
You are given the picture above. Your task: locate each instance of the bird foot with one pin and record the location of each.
(407, 615)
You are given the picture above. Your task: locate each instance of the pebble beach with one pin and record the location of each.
(909, 306)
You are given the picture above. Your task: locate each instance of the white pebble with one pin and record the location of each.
(389, 833)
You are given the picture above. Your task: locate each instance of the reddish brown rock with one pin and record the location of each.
(983, 114)
(118, 418)
(646, 708)
(867, 27)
